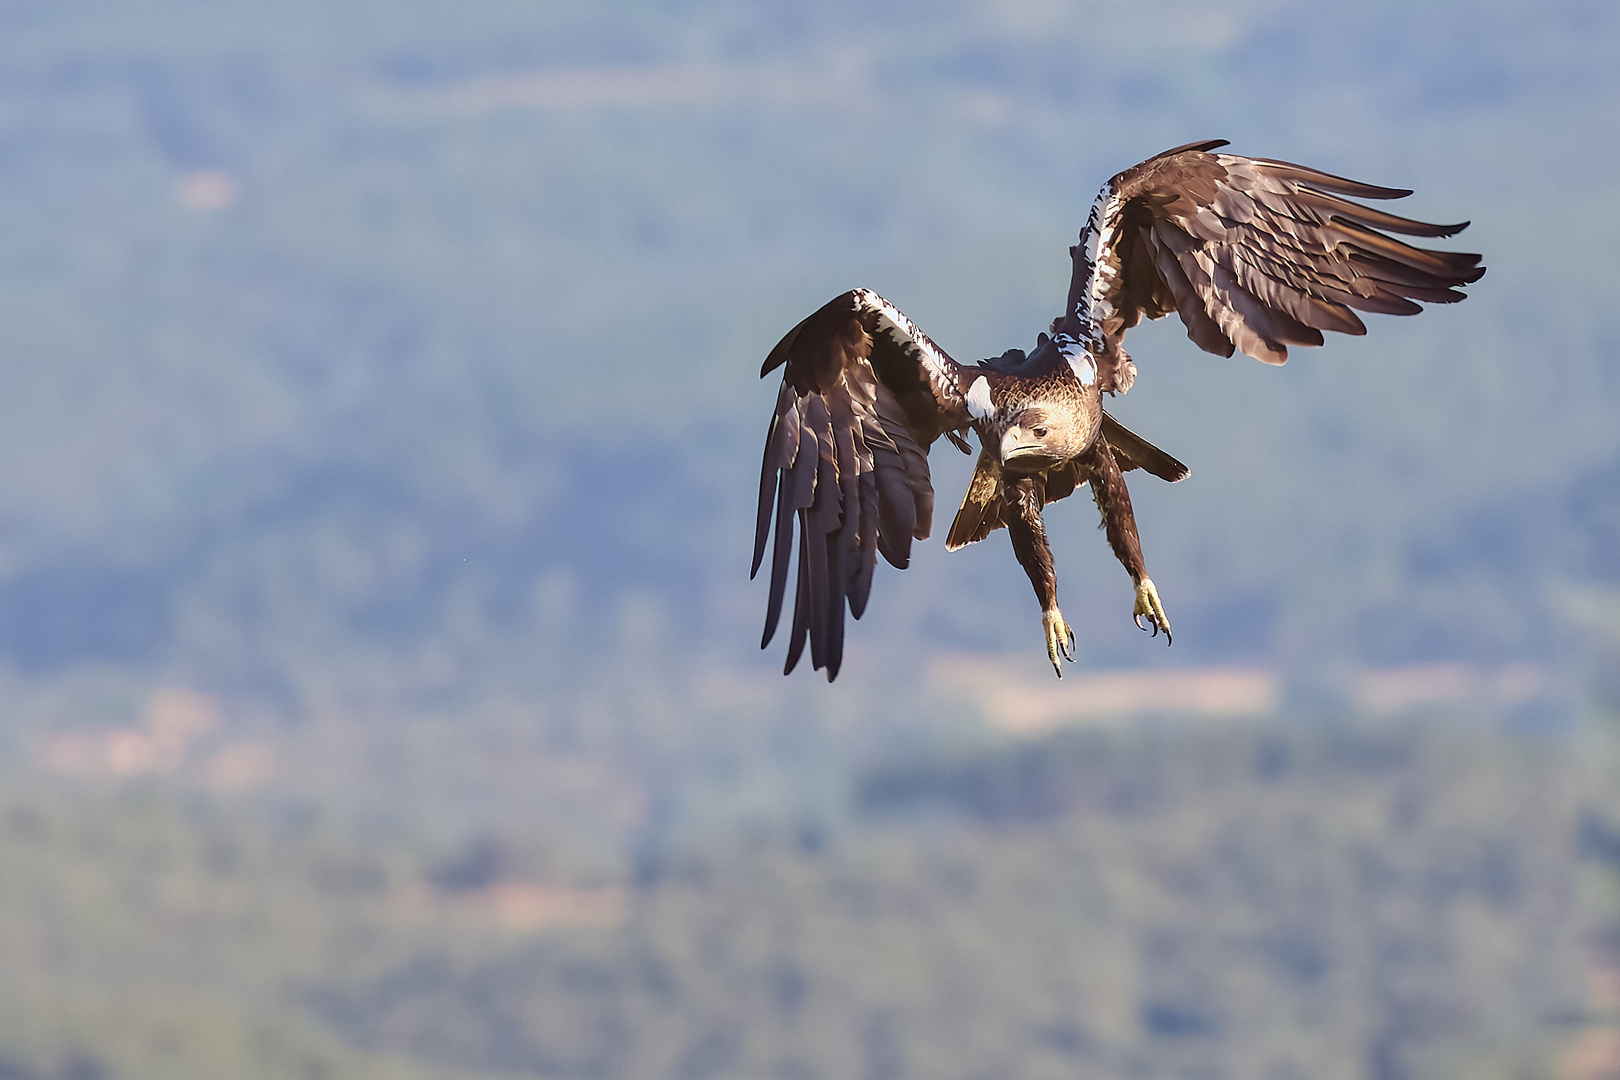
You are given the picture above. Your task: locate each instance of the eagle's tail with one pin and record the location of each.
(1134, 452)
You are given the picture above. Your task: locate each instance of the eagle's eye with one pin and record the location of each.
(1039, 430)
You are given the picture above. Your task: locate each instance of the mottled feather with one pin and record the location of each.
(983, 511)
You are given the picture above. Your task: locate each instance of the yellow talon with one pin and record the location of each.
(1148, 607)
(1059, 639)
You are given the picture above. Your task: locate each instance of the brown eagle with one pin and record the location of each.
(1253, 254)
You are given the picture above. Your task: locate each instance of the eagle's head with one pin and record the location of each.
(1041, 434)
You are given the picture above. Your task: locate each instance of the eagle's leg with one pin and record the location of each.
(1028, 534)
(1114, 502)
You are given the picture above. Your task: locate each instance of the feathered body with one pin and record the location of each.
(1252, 254)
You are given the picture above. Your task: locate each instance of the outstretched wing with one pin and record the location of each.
(1253, 254)
(864, 394)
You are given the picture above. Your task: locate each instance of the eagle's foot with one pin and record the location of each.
(1059, 639)
(1149, 608)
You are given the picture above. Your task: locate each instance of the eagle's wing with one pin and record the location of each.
(1252, 253)
(864, 394)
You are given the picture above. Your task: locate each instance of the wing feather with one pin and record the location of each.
(1253, 254)
(980, 512)
(1204, 331)
(860, 585)
(801, 605)
(864, 395)
(822, 518)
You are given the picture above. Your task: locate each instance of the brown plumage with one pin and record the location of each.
(1253, 255)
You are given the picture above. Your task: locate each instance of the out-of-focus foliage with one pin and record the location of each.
(1246, 901)
(410, 347)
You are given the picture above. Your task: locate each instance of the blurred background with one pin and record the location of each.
(380, 692)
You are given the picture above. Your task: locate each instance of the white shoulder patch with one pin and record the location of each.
(1079, 358)
(979, 405)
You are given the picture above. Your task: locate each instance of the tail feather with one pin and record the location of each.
(1134, 452)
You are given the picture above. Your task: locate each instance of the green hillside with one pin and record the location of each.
(1246, 902)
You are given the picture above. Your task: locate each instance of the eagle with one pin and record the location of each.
(1253, 254)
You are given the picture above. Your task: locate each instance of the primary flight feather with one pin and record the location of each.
(1254, 255)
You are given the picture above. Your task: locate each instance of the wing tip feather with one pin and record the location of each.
(1203, 146)
(852, 473)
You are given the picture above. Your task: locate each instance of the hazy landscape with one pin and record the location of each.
(379, 672)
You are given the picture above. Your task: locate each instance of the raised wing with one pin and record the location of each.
(1253, 254)
(864, 394)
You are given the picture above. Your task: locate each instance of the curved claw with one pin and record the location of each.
(1148, 607)
(1059, 639)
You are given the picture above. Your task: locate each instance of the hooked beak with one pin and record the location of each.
(1019, 445)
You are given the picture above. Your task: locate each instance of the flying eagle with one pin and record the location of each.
(1253, 254)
